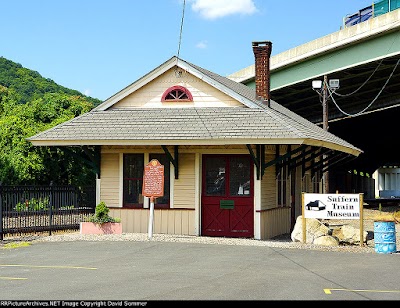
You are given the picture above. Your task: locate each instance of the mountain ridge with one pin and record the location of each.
(30, 85)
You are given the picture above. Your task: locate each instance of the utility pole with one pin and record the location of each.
(325, 125)
(325, 97)
(325, 90)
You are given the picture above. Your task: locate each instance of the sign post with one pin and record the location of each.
(333, 206)
(153, 187)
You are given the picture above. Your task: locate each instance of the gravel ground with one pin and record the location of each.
(283, 241)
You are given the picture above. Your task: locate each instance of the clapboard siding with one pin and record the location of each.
(184, 186)
(268, 187)
(110, 179)
(166, 221)
(203, 94)
(275, 222)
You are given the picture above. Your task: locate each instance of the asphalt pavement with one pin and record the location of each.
(168, 271)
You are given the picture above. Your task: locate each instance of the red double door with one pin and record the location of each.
(227, 207)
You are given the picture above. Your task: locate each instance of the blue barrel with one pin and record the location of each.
(385, 236)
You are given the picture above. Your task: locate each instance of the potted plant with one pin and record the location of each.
(101, 222)
(385, 231)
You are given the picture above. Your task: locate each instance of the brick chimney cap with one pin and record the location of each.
(258, 43)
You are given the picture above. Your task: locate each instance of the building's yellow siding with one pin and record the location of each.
(209, 149)
(183, 218)
(275, 222)
(268, 187)
(150, 95)
(184, 186)
(110, 179)
(166, 221)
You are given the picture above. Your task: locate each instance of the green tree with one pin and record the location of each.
(30, 85)
(30, 104)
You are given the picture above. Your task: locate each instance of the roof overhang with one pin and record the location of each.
(200, 142)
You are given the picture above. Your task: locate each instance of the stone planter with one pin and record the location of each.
(105, 228)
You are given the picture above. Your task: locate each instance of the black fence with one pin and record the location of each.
(36, 209)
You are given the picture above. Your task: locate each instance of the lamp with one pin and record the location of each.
(334, 84)
(325, 90)
(317, 84)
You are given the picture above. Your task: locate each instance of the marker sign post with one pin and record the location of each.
(333, 206)
(153, 187)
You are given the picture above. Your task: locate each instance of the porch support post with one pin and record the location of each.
(171, 159)
(278, 164)
(288, 159)
(262, 159)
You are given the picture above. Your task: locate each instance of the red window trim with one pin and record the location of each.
(174, 88)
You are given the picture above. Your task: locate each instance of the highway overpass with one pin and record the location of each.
(365, 110)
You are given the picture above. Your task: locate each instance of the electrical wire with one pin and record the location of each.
(181, 29)
(365, 82)
(370, 104)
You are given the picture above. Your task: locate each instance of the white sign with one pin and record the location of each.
(332, 206)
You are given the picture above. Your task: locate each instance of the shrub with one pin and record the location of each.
(101, 216)
(33, 204)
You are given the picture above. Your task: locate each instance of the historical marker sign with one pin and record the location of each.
(153, 179)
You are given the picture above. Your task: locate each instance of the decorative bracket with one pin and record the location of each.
(258, 158)
(171, 159)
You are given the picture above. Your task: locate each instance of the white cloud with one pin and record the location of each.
(213, 9)
(87, 92)
(202, 45)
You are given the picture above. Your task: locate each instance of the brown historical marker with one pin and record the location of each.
(153, 179)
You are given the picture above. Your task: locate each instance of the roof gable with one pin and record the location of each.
(151, 94)
(236, 91)
(257, 124)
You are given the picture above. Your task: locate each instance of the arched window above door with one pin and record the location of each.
(177, 94)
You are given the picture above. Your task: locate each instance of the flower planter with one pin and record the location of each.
(105, 228)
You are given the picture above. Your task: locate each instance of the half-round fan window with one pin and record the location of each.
(177, 94)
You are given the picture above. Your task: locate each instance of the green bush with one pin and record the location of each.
(101, 216)
(33, 205)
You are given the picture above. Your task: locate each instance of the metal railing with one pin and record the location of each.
(376, 9)
(36, 209)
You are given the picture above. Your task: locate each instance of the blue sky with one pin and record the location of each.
(99, 47)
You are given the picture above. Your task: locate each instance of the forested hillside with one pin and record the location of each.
(29, 85)
(30, 103)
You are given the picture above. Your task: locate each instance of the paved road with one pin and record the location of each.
(159, 271)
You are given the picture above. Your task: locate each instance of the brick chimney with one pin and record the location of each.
(262, 53)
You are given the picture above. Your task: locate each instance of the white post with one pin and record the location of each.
(150, 229)
(98, 187)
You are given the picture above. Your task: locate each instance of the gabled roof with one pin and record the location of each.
(234, 89)
(256, 124)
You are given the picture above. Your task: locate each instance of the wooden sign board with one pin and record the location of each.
(153, 179)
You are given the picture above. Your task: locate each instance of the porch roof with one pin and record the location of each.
(191, 126)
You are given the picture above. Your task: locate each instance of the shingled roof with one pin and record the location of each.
(256, 123)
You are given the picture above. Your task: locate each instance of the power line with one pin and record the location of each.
(365, 82)
(370, 104)
(181, 29)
